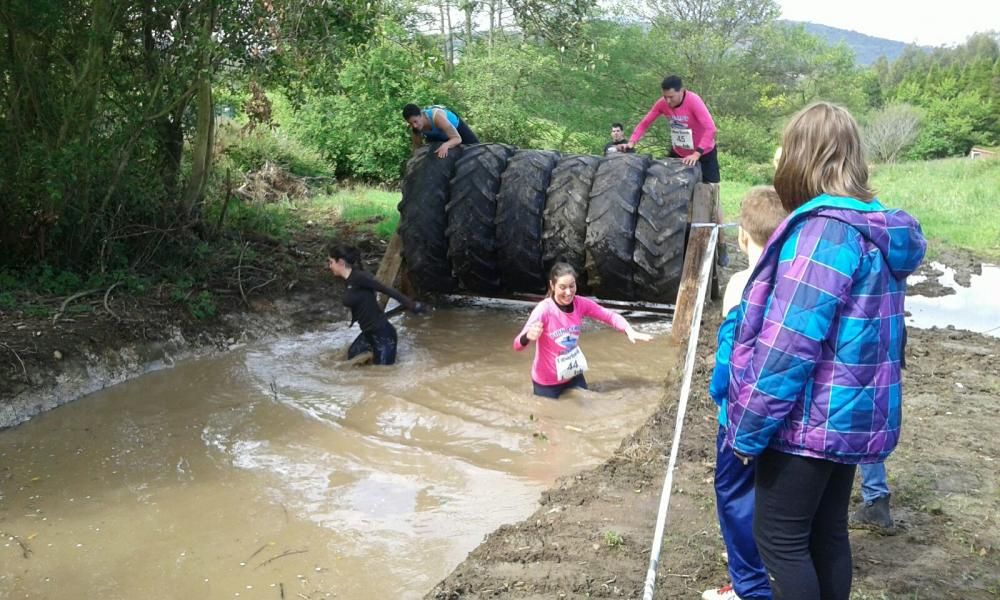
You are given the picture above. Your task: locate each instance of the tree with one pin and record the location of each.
(890, 131)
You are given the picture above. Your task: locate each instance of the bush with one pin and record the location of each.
(735, 168)
(249, 150)
(743, 138)
(890, 131)
(361, 128)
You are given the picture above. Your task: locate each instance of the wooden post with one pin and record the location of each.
(389, 268)
(703, 206)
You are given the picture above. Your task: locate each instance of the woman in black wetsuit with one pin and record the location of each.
(378, 336)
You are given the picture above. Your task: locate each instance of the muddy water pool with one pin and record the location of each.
(276, 471)
(974, 307)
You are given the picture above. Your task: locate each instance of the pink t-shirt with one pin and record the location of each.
(561, 332)
(691, 125)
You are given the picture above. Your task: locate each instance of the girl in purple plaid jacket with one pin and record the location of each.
(815, 379)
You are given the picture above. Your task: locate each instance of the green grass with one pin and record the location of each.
(369, 208)
(956, 200)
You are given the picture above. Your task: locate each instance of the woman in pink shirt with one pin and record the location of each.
(692, 130)
(554, 325)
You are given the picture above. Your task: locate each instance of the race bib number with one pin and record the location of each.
(571, 364)
(681, 137)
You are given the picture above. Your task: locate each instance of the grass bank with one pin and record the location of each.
(956, 200)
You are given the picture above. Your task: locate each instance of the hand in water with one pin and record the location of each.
(419, 308)
(635, 336)
(534, 331)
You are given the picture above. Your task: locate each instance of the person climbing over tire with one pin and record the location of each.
(378, 336)
(692, 137)
(692, 130)
(554, 325)
(437, 124)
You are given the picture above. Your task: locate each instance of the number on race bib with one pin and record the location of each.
(681, 137)
(571, 364)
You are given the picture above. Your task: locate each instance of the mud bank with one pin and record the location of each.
(50, 363)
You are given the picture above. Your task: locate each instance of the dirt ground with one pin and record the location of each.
(592, 532)
(591, 535)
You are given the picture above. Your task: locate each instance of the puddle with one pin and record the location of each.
(974, 308)
(274, 471)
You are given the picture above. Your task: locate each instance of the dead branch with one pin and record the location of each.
(66, 302)
(18, 357)
(257, 287)
(108, 308)
(239, 274)
(282, 555)
(25, 550)
(259, 550)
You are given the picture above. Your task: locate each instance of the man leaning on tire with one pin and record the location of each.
(437, 124)
(692, 130)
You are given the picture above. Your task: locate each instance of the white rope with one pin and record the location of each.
(661, 517)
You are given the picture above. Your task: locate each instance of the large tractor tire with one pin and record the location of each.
(611, 221)
(422, 218)
(472, 213)
(660, 229)
(564, 227)
(520, 207)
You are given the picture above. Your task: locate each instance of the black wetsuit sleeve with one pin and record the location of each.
(365, 279)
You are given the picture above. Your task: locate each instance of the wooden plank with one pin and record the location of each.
(389, 268)
(703, 205)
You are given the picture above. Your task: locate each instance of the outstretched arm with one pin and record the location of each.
(441, 122)
(640, 129)
(596, 311)
(365, 279)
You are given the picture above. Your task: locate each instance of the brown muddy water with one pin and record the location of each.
(275, 471)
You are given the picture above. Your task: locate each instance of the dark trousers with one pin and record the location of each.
(554, 391)
(467, 135)
(381, 343)
(800, 524)
(709, 163)
(734, 500)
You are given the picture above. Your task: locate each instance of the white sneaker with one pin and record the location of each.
(725, 592)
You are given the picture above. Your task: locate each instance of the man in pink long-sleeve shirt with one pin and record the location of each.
(692, 130)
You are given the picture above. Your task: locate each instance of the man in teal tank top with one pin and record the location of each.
(437, 124)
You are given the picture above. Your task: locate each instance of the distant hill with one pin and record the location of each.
(867, 49)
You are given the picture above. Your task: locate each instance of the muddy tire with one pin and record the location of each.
(520, 207)
(611, 220)
(661, 227)
(564, 228)
(472, 212)
(423, 221)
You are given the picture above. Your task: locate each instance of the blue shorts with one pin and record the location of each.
(553, 391)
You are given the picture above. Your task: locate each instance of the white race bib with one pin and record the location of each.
(681, 137)
(571, 364)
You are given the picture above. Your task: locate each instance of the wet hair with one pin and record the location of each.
(410, 110)
(760, 213)
(618, 125)
(350, 254)
(821, 153)
(558, 270)
(672, 82)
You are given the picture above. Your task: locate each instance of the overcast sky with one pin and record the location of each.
(924, 23)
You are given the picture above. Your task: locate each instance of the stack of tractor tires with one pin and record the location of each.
(490, 219)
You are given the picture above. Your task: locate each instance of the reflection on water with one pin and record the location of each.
(975, 308)
(278, 471)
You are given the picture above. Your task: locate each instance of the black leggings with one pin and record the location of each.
(800, 525)
(381, 343)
